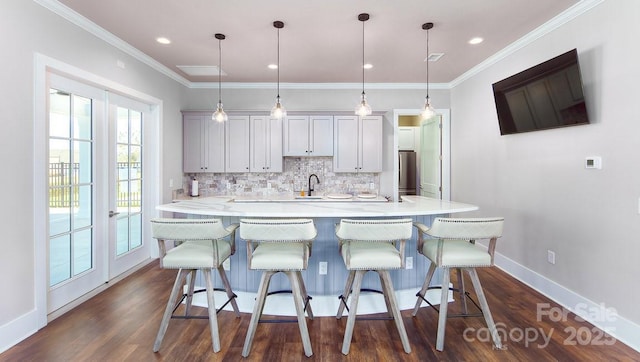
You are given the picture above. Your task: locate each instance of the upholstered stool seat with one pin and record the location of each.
(372, 245)
(273, 246)
(201, 244)
(450, 244)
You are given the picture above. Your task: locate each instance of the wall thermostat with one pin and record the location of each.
(593, 162)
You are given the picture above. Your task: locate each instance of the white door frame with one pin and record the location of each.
(43, 65)
(446, 149)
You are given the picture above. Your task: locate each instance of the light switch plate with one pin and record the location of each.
(593, 162)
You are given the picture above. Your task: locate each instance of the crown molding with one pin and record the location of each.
(571, 13)
(92, 28)
(332, 86)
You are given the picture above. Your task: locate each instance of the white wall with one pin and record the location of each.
(538, 181)
(31, 29)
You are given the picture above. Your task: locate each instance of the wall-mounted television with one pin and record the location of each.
(548, 95)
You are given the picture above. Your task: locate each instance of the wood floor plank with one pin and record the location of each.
(120, 324)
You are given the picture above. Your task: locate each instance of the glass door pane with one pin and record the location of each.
(129, 180)
(71, 245)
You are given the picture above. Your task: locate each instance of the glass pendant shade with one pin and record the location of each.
(428, 111)
(363, 108)
(278, 110)
(219, 115)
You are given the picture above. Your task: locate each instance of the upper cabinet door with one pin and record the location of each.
(308, 136)
(370, 144)
(296, 136)
(203, 143)
(358, 144)
(346, 135)
(266, 144)
(321, 135)
(237, 144)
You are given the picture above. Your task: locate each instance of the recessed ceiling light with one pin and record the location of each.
(272, 66)
(367, 66)
(163, 40)
(476, 40)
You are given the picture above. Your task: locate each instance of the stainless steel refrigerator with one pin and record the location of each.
(407, 173)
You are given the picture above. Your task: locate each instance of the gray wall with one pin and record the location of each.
(29, 29)
(538, 181)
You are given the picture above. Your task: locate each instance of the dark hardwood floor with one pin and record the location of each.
(120, 324)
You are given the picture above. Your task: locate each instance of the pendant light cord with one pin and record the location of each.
(278, 59)
(363, 58)
(427, 60)
(219, 71)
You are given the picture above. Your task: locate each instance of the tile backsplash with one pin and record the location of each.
(295, 176)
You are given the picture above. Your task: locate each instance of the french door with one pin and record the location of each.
(95, 188)
(75, 242)
(126, 179)
(431, 157)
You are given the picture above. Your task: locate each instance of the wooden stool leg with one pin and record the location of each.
(257, 311)
(227, 288)
(425, 287)
(461, 290)
(345, 294)
(305, 296)
(296, 288)
(211, 308)
(393, 305)
(485, 307)
(384, 293)
(353, 309)
(444, 304)
(190, 290)
(175, 291)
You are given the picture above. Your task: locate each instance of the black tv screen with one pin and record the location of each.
(548, 95)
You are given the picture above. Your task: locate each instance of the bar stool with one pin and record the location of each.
(451, 245)
(372, 245)
(279, 245)
(202, 244)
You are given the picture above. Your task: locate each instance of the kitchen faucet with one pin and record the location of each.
(317, 181)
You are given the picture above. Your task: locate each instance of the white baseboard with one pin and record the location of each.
(18, 329)
(601, 316)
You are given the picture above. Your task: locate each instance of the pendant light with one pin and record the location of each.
(278, 110)
(427, 111)
(219, 115)
(363, 108)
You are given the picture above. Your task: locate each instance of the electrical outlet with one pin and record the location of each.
(372, 186)
(226, 265)
(551, 257)
(170, 182)
(322, 268)
(269, 185)
(408, 262)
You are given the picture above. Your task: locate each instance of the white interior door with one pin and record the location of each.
(431, 157)
(127, 178)
(75, 246)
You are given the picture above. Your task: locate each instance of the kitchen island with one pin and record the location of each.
(326, 213)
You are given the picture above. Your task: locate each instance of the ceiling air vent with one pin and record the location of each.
(434, 57)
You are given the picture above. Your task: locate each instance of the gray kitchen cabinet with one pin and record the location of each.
(203, 143)
(265, 144)
(357, 144)
(308, 136)
(237, 144)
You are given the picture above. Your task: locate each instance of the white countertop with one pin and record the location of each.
(261, 207)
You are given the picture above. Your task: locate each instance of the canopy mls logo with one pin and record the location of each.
(540, 338)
